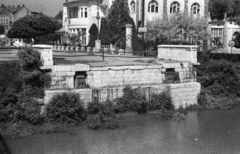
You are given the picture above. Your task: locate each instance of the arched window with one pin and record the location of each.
(153, 6)
(133, 6)
(175, 7)
(195, 9)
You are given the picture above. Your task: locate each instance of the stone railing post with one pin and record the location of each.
(46, 54)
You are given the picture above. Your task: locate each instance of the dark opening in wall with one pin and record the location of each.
(80, 80)
(47, 79)
(171, 76)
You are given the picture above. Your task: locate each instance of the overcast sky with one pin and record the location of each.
(48, 7)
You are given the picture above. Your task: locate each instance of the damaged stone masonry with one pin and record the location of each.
(174, 70)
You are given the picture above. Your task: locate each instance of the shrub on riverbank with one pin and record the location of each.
(161, 101)
(132, 100)
(101, 115)
(220, 84)
(65, 108)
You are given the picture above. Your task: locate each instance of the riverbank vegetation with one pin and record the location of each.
(220, 80)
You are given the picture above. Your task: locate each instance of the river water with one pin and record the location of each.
(203, 132)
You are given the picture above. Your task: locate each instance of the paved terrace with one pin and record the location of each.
(95, 60)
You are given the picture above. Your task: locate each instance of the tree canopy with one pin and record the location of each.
(218, 8)
(59, 16)
(33, 26)
(105, 32)
(178, 27)
(1, 29)
(93, 31)
(117, 19)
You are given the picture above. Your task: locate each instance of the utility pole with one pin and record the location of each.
(98, 18)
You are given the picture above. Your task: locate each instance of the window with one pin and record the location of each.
(133, 6)
(86, 12)
(195, 9)
(70, 14)
(175, 7)
(83, 37)
(81, 12)
(153, 6)
(217, 36)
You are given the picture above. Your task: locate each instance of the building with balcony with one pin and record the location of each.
(79, 15)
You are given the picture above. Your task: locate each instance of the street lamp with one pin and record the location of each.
(98, 17)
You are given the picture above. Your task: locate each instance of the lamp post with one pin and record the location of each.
(98, 17)
(98, 41)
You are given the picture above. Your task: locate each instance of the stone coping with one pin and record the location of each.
(177, 46)
(42, 46)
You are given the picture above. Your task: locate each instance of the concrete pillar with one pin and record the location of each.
(46, 54)
(129, 50)
(97, 45)
(76, 48)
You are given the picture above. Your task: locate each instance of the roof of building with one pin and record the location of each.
(11, 9)
(76, 1)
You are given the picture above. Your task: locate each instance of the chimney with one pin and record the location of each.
(13, 6)
(23, 5)
(2, 5)
(18, 5)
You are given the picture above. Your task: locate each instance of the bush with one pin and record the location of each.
(161, 101)
(202, 100)
(132, 100)
(8, 100)
(10, 76)
(65, 108)
(27, 110)
(31, 73)
(93, 31)
(101, 115)
(219, 77)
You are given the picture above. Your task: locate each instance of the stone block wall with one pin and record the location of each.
(111, 93)
(178, 52)
(187, 71)
(62, 76)
(125, 75)
(184, 94)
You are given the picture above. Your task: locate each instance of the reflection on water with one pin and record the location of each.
(202, 133)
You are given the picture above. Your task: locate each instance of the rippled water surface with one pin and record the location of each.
(203, 132)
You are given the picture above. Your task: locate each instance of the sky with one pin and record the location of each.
(48, 7)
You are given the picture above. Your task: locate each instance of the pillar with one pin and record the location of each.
(46, 54)
(129, 50)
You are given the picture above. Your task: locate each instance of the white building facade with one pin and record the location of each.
(79, 15)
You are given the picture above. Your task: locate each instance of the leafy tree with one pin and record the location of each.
(1, 29)
(118, 17)
(105, 32)
(33, 26)
(93, 31)
(59, 16)
(177, 28)
(74, 39)
(218, 8)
